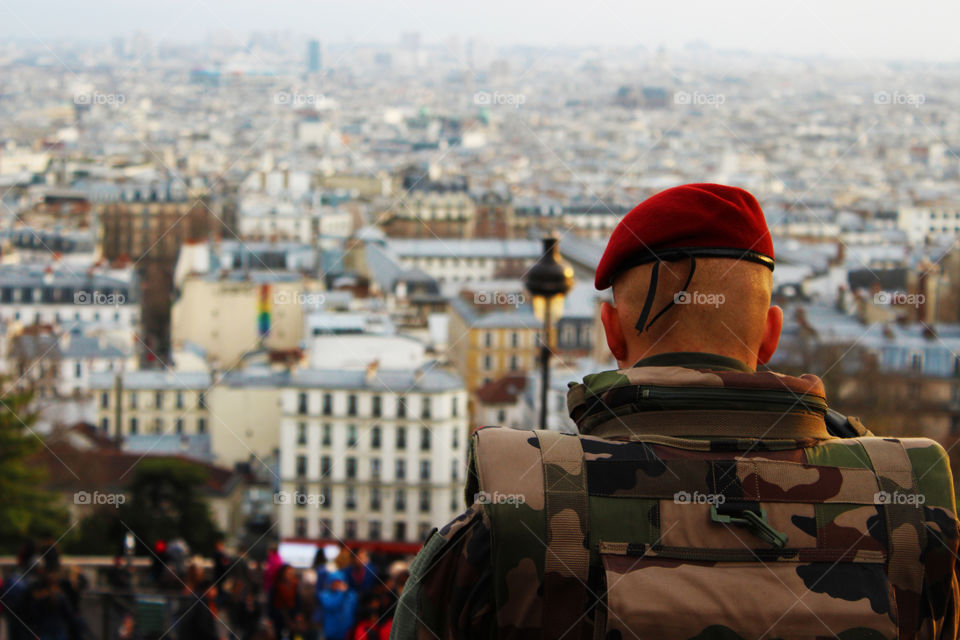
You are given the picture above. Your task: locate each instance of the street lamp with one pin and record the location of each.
(548, 281)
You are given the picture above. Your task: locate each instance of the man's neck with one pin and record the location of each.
(694, 360)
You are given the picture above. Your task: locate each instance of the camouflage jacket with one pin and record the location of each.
(700, 500)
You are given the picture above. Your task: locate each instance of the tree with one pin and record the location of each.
(26, 510)
(163, 502)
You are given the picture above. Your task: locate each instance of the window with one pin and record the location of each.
(300, 527)
(133, 426)
(375, 437)
(300, 496)
(352, 404)
(179, 400)
(455, 470)
(327, 404)
(326, 497)
(351, 468)
(454, 406)
(350, 529)
(401, 407)
(487, 339)
(105, 425)
(302, 433)
(351, 435)
(401, 470)
(78, 370)
(301, 466)
(326, 527)
(104, 400)
(327, 435)
(400, 500)
(424, 469)
(133, 400)
(487, 363)
(424, 501)
(514, 363)
(501, 416)
(400, 531)
(514, 339)
(375, 406)
(455, 500)
(158, 399)
(401, 437)
(456, 438)
(326, 466)
(375, 530)
(201, 425)
(178, 425)
(302, 406)
(202, 400)
(375, 499)
(375, 467)
(424, 439)
(425, 408)
(351, 499)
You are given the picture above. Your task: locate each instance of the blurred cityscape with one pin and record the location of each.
(291, 270)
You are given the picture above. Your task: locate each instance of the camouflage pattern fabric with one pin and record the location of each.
(680, 531)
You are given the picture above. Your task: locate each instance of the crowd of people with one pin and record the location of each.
(351, 597)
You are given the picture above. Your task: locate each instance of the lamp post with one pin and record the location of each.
(548, 281)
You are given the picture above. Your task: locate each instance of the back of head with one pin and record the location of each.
(722, 310)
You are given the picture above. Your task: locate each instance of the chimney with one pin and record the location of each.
(371, 372)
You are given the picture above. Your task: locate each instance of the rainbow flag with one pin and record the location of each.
(263, 311)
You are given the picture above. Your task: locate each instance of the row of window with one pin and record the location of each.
(376, 406)
(351, 531)
(157, 427)
(158, 400)
(489, 337)
(324, 500)
(58, 317)
(350, 468)
(376, 436)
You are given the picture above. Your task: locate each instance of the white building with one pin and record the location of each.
(371, 455)
(921, 222)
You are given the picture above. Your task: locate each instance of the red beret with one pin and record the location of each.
(709, 220)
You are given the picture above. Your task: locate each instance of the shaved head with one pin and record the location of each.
(724, 310)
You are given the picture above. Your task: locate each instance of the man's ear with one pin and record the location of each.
(771, 335)
(614, 331)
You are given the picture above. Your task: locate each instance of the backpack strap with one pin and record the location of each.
(902, 509)
(567, 560)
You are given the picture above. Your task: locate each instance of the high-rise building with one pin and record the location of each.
(314, 57)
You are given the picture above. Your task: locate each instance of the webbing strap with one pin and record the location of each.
(728, 424)
(906, 533)
(567, 553)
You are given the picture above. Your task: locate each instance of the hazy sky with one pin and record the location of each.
(887, 29)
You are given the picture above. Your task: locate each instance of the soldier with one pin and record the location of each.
(701, 498)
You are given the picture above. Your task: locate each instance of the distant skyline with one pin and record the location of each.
(851, 29)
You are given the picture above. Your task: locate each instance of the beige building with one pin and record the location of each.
(489, 341)
(226, 315)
